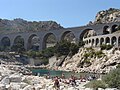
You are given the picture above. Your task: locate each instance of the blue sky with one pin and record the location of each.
(69, 13)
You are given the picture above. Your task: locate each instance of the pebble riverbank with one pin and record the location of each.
(14, 77)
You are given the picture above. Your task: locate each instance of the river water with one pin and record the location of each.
(52, 73)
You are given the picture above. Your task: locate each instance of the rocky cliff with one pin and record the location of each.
(107, 16)
(20, 25)
(91, 60)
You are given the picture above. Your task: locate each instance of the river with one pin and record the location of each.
(52, 73)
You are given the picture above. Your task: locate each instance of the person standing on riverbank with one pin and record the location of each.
(56, 83)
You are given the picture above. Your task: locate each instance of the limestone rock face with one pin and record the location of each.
(107, 16)
(20, 25)
(90, 33)
(102, 63)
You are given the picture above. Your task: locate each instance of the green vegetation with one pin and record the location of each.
(18, 48)
(43, 56)
(92, 53)
(96, 84)
(60, 49)
(4, 48)
(112, 79)
(65, 47)
(106, 47)
(81, 43)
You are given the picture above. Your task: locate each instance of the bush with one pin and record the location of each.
(112, 79)
(73, 48)
(118, 66)
(91, 53)
(99, 54)
(81, 43)
(106, 47)
(44, 61)
(31, 54)
(48, 52)
(96, 84)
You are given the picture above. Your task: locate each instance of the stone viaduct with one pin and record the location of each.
(104, 34)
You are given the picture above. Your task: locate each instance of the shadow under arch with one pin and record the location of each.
(107, 41)
(5, 42)
(86, 34)
(114, 40)
(18, 39)
(68, 35)
(114, 28)
(49, 40)
(106, 30)
(18, 44)
(33, 42)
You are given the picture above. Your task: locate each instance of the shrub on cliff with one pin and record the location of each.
(105, 47)
(112, 79)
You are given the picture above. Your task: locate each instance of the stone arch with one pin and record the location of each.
(18, 44)
(33, 42)
(106, 30)
(69, 36)
(18, 39)
(89, 41)
(5, 42)
(87, 33)
(101, 41)
(50, 41)
(114, 28)
(119, 41)
(93, 41)
(113, 40)
(86, 41)
(107, 40)
(97, 42)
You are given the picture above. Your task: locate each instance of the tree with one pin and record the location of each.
(62, 48)
(18, 47)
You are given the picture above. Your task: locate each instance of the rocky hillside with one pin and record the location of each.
(107, 16)
(20, 25)
(91, 60)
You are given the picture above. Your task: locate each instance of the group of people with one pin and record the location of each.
(70, 81)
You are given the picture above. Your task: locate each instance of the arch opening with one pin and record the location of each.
(93, 42)
(107, 41)
(114, 28)
(68, 36)
(49, 40)
(33, 42)
(106, 30)
(5, 43)
(113, 40)
(97, 42)
(119, 41)
(87, 33)
(18, 44)
(101, 41)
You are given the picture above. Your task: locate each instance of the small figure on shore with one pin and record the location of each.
(72, 80)
(63, 76)
(48, 75)
(56, 83)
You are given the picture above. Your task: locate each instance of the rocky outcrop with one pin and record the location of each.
(90, 33)
(92, 60)
(20, 25)
(107, 16)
